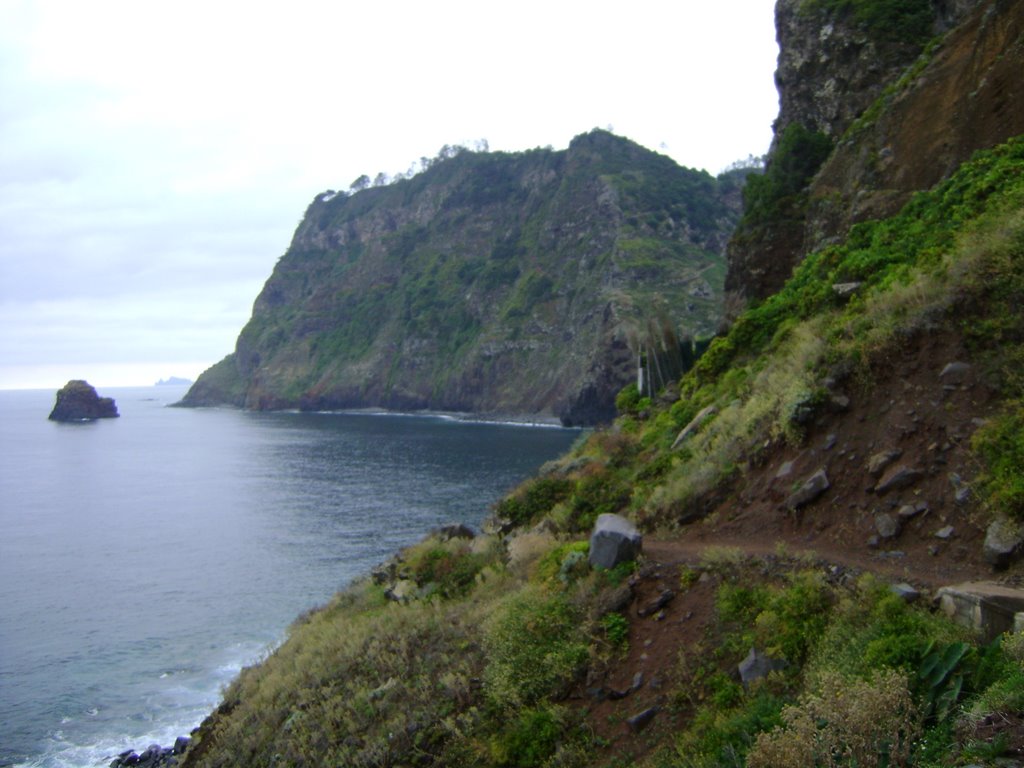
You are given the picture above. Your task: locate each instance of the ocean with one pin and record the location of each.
(145, 560)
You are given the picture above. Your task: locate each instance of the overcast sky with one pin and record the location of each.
(155, 158)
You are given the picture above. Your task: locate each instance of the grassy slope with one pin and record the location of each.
(480, 669)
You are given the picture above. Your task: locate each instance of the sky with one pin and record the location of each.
(155, 158)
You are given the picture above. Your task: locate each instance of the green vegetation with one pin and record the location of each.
(779, 195)
(893, 21)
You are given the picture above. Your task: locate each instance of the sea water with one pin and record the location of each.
(144, 560)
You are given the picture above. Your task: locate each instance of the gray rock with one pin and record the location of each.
(955, 372)
(888, 527)
(785, 470)
(900, 476)
(878, 462)
(757, 665)
(1004, 541)
(809, 490)
(694, 425)
(180, 745)
(906, 592)
(657, 604)
(845, 290)
(453, 531)
(908, 511)
(962, 495)
(614, 540)
(986, 607)
(402, 591)
(640, 721)
(945, 532)
(830, 442)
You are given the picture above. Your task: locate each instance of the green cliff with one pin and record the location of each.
(503, 283)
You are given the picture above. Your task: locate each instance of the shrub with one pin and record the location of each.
(452, 568)
(1000, 444)
(529, 739)
(535, 644)
(533, 499)
(616, 631)
(866, 723)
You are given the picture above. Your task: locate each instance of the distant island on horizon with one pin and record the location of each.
(173, 381)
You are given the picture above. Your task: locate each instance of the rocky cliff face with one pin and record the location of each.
(837, 60)
(491, 283)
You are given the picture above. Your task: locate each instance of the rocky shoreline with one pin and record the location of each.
(153, 756)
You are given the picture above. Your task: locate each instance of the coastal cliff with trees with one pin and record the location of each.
(519, 284)
(830, 496)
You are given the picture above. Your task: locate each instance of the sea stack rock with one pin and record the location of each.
(77, 401)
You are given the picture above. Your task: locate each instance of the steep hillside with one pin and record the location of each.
(520, 284)
(851, 445)
(509, 649)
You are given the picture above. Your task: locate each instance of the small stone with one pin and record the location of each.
(640, 721)
(905, 592)
(898, 477)
(657, 604)
(907, 511)
(638, 681)
(944, 533)
(830, 442)
(809, 490)
(785, 470)
(962, 495)
(888, 527)
(880, 461)
(874, 542)
(955, 372)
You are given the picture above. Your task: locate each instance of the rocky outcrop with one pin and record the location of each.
(900, 114)
(490, 283)
(965, 96)
(154, 756)
(77, 401)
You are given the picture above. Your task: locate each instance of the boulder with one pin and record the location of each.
(1004, 541)
(809, 490)
(986, 607)
(77, 401)
(614, 540)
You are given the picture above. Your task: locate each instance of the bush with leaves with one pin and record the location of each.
(867, 723)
